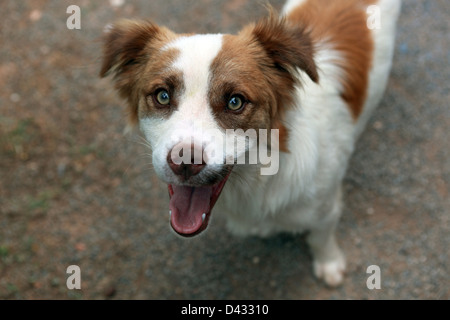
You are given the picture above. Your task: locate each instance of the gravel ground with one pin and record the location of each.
(75, 191)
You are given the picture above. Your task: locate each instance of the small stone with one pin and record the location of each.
(14, 97)
(35, 15)
(116, 3)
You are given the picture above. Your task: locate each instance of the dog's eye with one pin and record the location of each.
(162, 97)
(236, 103)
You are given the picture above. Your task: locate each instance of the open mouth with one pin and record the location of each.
(190, 207)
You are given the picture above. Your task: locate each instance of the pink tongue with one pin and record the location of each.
(188, 204)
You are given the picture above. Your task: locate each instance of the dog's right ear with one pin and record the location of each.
(127, 47)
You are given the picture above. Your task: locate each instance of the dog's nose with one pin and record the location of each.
(187, 168)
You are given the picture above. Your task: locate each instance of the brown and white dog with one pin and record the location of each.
(313, 75)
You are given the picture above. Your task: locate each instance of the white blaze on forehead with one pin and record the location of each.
(196, 54)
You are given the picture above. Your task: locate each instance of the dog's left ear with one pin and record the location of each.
(288, 46)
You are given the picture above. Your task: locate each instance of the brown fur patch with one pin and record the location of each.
(236, 70)
(343, 23)
(261, 64)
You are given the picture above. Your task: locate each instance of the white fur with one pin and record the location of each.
(290, 5)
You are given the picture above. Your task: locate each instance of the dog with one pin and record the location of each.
(312, 75)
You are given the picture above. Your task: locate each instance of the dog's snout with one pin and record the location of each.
(186, 165)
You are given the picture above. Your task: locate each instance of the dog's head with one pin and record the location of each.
(186, 91)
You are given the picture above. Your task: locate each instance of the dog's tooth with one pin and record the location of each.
(203, 217)
(170, 212)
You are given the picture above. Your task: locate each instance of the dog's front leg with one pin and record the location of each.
(328, 259)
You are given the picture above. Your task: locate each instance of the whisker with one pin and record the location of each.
(241, 179)
(144, 154)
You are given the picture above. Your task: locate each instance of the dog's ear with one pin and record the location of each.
(288, 46)
(124, 45)
(288, 49)
(127, 47)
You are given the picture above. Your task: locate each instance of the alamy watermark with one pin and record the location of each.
(374, 280)
(235, 147)
(374, 17)
(74, 280)
(74, 20)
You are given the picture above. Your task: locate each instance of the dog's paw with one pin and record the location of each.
(331, 272)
